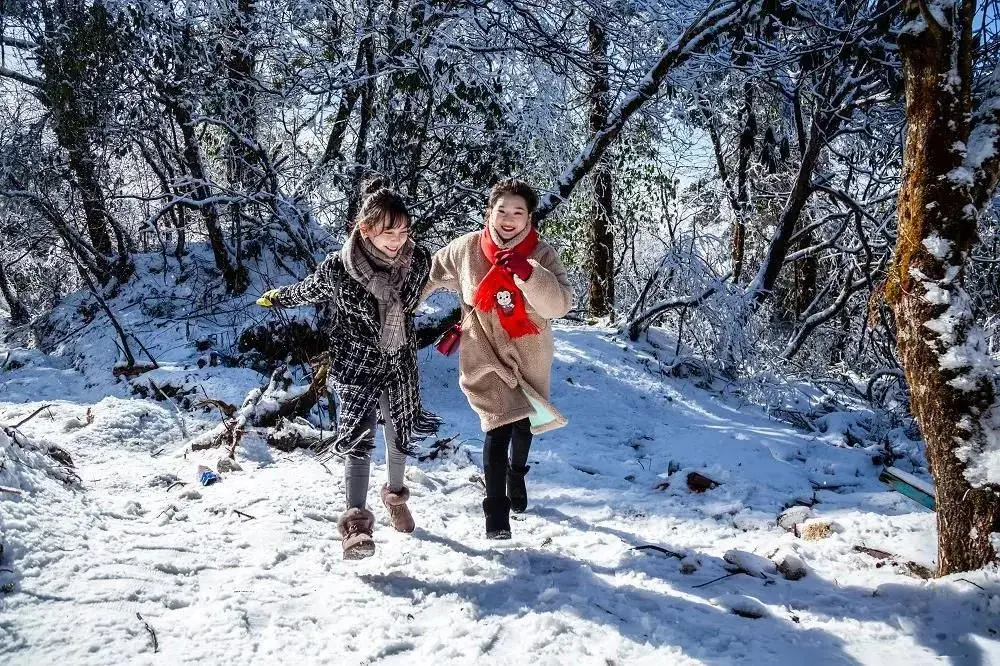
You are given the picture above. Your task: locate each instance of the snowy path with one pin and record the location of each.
(219, 587)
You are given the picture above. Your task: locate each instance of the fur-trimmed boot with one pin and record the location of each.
(516, 491)
(497, 511)
(356, 533)
(399, 513)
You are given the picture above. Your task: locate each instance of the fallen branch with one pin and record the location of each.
(180, 418)
(245, 515)
(911, 567)
(227, 410)
(966, 580)
(438, 448)
(874, 552)
(716, 580)
(33, 415)
(658, 549)
(152, 634)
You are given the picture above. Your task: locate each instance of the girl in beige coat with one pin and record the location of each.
(510, 283)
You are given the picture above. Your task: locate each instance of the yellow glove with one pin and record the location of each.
(268, 298)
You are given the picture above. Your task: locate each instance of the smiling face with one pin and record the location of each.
(509, 216)
(388, 238)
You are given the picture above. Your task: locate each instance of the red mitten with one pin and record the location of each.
(515, 263)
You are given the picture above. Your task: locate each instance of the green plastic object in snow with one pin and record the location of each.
(909, 485)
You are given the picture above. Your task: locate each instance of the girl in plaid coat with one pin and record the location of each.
(374, 282)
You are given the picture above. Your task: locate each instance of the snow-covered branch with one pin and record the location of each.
(17, 43)
(981, 166)
(714, 22)
(21, 78)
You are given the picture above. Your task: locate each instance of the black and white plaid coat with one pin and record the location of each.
(360, 368)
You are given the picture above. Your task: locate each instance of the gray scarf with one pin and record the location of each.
(383, 278)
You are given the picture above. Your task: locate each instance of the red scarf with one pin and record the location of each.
(498, 290)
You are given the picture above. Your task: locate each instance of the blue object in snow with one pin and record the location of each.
(910, 486)
(206, 476)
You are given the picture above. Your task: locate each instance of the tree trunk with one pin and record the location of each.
(236, 279)
(91, 197)
(747, 136)
(68, 92)
(950, 396)
(601, 238)
(780, 245)
(361, 146)
(18, 313)
(806, 275)
(242, 114)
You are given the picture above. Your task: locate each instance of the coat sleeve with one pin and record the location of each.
(422, 267)
(444, 272)
(318, 287)
(548, 289)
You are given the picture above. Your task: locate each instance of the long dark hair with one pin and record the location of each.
(382, 205)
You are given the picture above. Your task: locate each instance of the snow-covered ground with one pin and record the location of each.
(249, 570)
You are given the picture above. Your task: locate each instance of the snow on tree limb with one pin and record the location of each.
(982, 153)
(17, 43)
(20, 78)
(715, 21)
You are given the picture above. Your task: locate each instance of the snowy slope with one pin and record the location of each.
(84, 563)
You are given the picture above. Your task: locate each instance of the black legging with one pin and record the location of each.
(515, 437)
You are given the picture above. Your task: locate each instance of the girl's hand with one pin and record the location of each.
(515, 263)
(268, 298)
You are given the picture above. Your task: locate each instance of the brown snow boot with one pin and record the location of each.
(356, 533)
(399, 513)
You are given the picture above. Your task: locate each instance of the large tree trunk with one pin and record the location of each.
(91, 197)
(937, 228)
(601, 238)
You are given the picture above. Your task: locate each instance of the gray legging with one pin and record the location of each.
(357, 469)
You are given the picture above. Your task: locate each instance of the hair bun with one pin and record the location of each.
(374, 185)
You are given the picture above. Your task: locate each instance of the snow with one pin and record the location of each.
(937, 246)
(138, 537)
(982, 144)
(962, 175)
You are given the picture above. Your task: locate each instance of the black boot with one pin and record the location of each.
(516, 491)
(497, 511)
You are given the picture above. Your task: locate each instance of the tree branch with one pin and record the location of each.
(703, 31)
(642, 321)
(21, 78)
(22, 44)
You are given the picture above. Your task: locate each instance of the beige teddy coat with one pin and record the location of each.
(500, 376)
